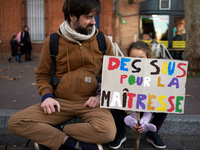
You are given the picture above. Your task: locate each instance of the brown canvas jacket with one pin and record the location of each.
(77, 65)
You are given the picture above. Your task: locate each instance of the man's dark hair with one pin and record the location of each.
(80, 7)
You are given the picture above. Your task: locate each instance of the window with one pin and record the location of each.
(178, 32)
(165, 4)
(154, 28)
(36, 19)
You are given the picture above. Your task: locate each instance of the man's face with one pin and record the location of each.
(84, 24)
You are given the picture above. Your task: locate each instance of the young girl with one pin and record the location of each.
(14, 49)
(139, 50)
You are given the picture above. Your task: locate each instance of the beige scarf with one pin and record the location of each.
(68, 32)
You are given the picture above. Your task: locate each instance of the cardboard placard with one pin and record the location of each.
(140, 84)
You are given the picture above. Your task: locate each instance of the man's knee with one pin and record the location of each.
(12, 123)
(108, 133)
(108, 128)
(111, 133)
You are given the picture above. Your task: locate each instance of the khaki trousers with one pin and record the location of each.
(32, 123)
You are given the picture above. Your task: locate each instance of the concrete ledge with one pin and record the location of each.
(176, 126)
(180, 127)
(4, 117)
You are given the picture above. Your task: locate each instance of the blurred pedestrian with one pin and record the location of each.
(25, 44)
(14, 49)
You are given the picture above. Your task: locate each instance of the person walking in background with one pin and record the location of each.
(138, 49)
(25, 43)
(14, 49)
(78, 64)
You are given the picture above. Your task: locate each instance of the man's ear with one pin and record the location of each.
(72, 18)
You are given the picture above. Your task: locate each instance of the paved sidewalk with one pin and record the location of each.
(12, 142)
(19, 91)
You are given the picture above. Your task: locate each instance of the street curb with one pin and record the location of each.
(181, 127)
(4, 117)
(176, 126)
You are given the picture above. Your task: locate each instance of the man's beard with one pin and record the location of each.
(82, 30)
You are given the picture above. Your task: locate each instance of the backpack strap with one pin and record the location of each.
(102, 47)
(101, 42)
(53, 47)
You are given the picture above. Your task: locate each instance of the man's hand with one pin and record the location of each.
(93, 102)
(48, 105)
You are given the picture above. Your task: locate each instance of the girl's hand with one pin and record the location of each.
(138, 128)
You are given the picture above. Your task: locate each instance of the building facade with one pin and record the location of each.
(43, 18)
(123, 21)
(163, 21)
(160, 21)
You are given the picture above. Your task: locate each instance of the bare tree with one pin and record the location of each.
(192, 19)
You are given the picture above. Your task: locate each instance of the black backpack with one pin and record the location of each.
(53, 47)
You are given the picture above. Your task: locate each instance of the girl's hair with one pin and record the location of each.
(140, 45)
(80, 7)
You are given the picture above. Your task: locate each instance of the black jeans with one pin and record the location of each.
(119, 116)
(158, 119)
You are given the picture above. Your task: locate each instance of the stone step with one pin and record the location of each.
(177, 126)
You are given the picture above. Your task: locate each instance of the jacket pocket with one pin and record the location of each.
(88, 85)
(66, 88)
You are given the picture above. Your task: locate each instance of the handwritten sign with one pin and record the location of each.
(140, 84)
